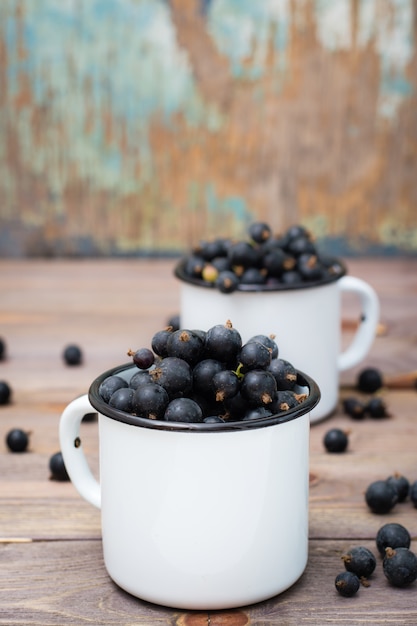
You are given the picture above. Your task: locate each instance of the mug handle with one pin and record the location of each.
(366, 332)
(72, 451)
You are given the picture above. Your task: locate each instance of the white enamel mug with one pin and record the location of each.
(197, 516)
(306, 321)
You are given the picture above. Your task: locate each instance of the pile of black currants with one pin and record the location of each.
(205, 376)
(264, 259)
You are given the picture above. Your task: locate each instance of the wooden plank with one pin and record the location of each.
(83, 593)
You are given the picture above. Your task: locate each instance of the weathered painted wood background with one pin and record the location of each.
(141, 126)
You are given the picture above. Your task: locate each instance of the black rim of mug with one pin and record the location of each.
(303, 380)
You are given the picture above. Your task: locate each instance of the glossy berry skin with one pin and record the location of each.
(225, 384)
(369, 380)
(185, 344)
(17, 440)
(258, 387)
(335, 440)
(122, 399)
(203, 374)
(354, 408)
(174, 321)
(360, 560)
(139, 378)
(392, 535)
(183, 410)
(159, 341)
(57, 467)
(381, 497)
(284, 373)
(109, 386)
(73, 355)
(223, 343)
(347, 584)
(400, 566)
(242, 254)
(401, 484)
(142, 358)
(254, 355)
(174, 375)
(150, 401)
(5, 392)
(269, 342)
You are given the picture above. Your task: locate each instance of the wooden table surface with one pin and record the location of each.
(51, 565)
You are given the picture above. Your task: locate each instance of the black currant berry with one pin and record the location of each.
(285, 400)
(254, 355)
(259, 232)
(381, 497)
(335, 440)
(57, 467)
(174, 375)
(185, 344)
(17, 440)
(73, 355)
(309, 267)
(139, 378)
(183, 410)
(360, 560)
(243, 254)
(401, 484)
(354, 408)
(213, 419)
(109, 386)
(225, 384)
(392, 535)
(376, 408)
(203, 374)
(122, 399)
(227, 281)
(150, 401)
(253, 276)
(174, 322)
(159, 341)
(223, 343)
(284, 373)
(400, 566)
(194, 265)
(257, 413)
(268, 342)
(142, 358)
(2, 349)
(258, 387)
(369, 380)
(5, 392)
(347, 584)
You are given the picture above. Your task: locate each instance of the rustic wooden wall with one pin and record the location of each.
(138, 126)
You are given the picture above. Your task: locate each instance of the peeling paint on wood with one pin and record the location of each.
(142, 126)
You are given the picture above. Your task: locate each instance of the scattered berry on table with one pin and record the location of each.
(376, 408)
(401, 484)
(381, 497)
(336, 440)
(5, 392)
(392, 535)
(57, 467)
(73, 355)
(360, 560)
(400, 566)
(369, 380)
(354, 408)
(347, 584)
(17, 440)
(2, 349)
